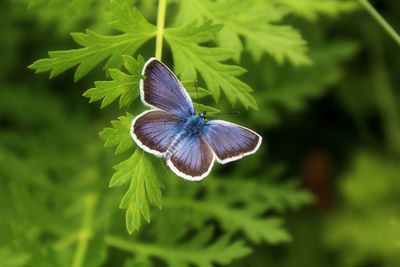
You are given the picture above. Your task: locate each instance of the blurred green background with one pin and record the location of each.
(332, 127)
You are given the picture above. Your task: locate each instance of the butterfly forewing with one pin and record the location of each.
(161, 89)
(230, 141)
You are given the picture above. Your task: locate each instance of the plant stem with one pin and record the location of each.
(162, 6)
(380, 20)
(153, 250)
(86, 230)
(385, 96)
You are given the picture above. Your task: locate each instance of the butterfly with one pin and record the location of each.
(185, 140)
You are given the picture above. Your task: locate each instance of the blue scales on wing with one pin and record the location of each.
(154, 130)
(162, 89)
(194, 159)
(230, 141)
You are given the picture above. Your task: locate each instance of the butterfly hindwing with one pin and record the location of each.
(153, 130)
(162, 89)
(230, 141)
(194, 160)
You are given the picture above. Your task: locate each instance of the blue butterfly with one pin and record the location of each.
(187, 142)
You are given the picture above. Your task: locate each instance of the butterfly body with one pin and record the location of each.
(187, 142)
(192, 126)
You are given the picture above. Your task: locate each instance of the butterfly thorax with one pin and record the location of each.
(192, 126)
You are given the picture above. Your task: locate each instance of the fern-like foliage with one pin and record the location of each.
(249, 20)
(125, 86)
(81, 226)
(201, 250)
(55, 205)
(238, 208)
(311, 9)
(135, 32)
(144, 188)
(204, 40)
(189, 57)
(138, 170)
(117, 136)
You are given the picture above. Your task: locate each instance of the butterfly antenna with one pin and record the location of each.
(197, 93)
(218, 113)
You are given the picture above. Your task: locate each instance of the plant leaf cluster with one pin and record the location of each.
(58, 212)
(204, 40)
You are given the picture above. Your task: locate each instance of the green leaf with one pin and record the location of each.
(125, 170)
(249, 20)
(136, 31)
(291, 88)
(200, 108)
(227, 38)
(119, 136)
(238, 206)
(190, 57)
(124, 85)
(234, 219)
(311, 9)
(201, 250)
(144, 188)
(191, 89)
(198, 94)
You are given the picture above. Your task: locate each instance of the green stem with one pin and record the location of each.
(385, 96)
(156, 250)
(380, 20)
(126, 245)
(162, 6)
(86, 230)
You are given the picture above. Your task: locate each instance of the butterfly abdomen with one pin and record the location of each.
(191, 127)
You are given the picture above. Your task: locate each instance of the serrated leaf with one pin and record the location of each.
(125, 171)
(136, 31)
(124, 85)
(119, 136)
(191, 89)
(133, 218)
(200, 108)
(235, 219)
(249, 20)
(311, 9)
(280, 41)
(227, 38)
(144, 188)
(198, 251)
(190, 57)
(152, 184)
(239, 206)
(132, 65)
